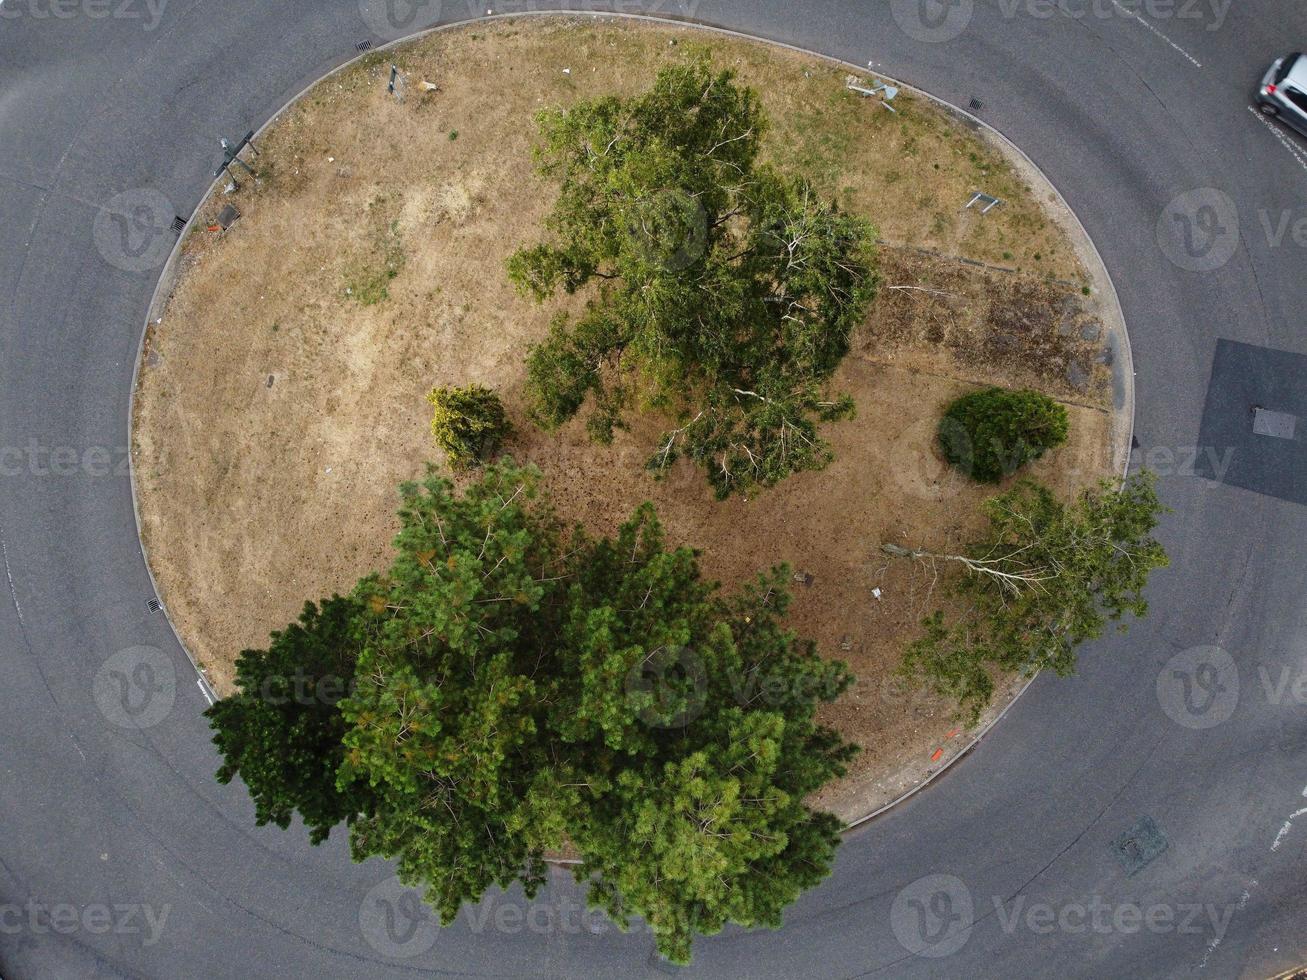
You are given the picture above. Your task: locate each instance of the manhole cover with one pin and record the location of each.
(227, 217)
(1278, 425)
(1139, 846)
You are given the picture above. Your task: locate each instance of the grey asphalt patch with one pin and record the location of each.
(1254, 398)
(1140, 846)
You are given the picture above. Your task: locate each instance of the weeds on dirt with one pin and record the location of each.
(369, 284)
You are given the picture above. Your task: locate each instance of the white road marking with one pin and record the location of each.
(1275, 845)
(204, 689)
(1130, 13)
(1298, 155)
(1243, 902)
(13, 592)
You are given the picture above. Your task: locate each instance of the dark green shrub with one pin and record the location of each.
(992, 433)
(468, 423)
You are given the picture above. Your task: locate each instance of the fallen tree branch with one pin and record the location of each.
(1012, 581)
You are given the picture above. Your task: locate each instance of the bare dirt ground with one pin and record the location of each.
(282, 395)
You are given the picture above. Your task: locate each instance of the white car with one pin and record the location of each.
(1283, 92)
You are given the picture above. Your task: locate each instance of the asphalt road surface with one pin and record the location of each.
(1145, 818)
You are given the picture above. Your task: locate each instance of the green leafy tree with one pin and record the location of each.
(991, 433)
(467, 423)
(1045, 577)
(282, 732)
(697, 713)
(519, 690)
(727, 291)
(452, 689)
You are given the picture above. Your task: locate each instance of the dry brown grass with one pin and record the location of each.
(283, 397)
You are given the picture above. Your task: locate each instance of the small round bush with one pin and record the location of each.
(992, 433)
(468, 423)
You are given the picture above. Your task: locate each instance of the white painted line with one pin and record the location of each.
(1130, 13)
(204, 689)
(4, 553)
(1298, 155)
(1285, 829)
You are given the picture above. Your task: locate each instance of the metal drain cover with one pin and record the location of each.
(227, 217)
(1277, 424)
(1139, 846)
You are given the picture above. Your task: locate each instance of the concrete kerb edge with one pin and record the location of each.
(1123, 372)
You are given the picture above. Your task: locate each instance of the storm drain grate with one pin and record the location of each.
(154, 605)
(1278, 425)
(178, 224)
(1139, 846)
(363, 46)
(975, 105)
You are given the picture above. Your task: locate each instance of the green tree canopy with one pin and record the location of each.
(518, 689)
(727, 290)
(467, 423)
(282, 732)
(1044, 577)
(991, 433)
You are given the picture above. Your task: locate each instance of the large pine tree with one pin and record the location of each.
(517, 690)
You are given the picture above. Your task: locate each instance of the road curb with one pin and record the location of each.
(1122, 366)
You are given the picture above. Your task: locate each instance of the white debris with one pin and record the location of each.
(876, 593)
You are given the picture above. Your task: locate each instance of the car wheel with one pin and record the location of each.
(1268, 110)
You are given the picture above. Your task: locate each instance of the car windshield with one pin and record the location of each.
(1285, 67)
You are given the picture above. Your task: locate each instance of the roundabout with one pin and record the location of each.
(1038, 825)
